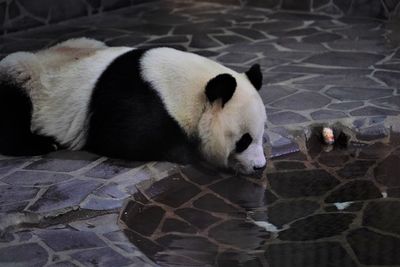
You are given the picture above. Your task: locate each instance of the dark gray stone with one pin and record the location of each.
(55, 11)
(100, 257)
(392, 102)
(172, 191)
(267, 62)
(387, 172)
(35, 178)
(13, 208)
(32, 45)
(302, 101)
(319, 3)
(348, 80)
(63, 161)
(236, 57)
(210, 202)
(355, 169)
(299, 68)
(229, 39)
(2, 13)
(268, 27)
(29, 254)
(373, 111)
(65, 195)
(317, 226)
(212, 26)
(194, 247)
(146, 28)
(243, 192)
(353, 191)
(114, 4)
(343, 5)
(281, 15)
(383, 215)
(296, 5)
(286, 117)
(98, 203)
(240, 234)
(197, 218)
(346, 59)
(372, 248)
(62, 264)
(389, 66)
(285, 212)
(277, 78)
(355, 93)
(289, 165)
(12, 163)
(174, 225)
(296, 32)
(110, 190)
(11, 194)
(320, 254)
(292, 43)
(250, 33)
(321, 38)
(232, 257)
(142, 219)
(127, 41)
(327, 115)
(65, 239)
(374, 132)
(201, 175)
(302, 183)
(170, 39)
(284, 148)
(101, 224)
(374, 45)
(367, 8)
(203, 41)
(346, 105)
(111, 167)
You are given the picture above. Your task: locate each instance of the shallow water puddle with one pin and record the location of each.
(325, 207)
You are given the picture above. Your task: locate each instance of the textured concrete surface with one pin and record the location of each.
(63, 207)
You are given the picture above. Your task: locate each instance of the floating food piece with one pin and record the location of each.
(327, 135)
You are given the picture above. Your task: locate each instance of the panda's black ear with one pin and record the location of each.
(221, 87)
(255, 76)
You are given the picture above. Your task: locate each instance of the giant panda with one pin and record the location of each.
(137, 104)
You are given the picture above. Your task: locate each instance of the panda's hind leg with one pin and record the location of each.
(16, 138)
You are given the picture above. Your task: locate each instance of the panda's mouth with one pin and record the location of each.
(236, 166)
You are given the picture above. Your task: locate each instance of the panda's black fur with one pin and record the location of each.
(128, 118)
(16, 138)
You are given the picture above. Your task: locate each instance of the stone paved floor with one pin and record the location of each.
(309, 208)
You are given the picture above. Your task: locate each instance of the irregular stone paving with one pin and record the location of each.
(319, 208)
(61, 209)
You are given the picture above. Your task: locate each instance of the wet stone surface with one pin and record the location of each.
(309, 208)
(316, 215)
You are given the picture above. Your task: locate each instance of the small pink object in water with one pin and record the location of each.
(327, 135)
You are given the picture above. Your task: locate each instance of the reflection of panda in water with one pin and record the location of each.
(130, 103)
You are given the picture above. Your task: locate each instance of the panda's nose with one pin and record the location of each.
(259, 168)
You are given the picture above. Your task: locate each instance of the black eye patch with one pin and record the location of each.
(243, 143)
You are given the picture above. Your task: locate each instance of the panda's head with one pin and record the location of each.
(232, 126)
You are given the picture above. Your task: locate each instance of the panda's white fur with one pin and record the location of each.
(60, 82)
